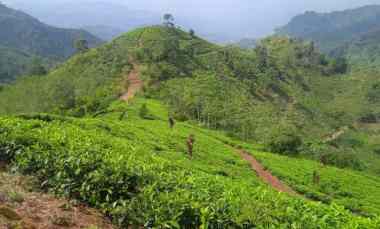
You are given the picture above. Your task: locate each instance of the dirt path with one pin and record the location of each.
(336, 135)
(266, 176)
(135, 84)
(22, 208)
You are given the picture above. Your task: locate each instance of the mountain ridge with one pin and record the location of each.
(27, 33)
(330, 30)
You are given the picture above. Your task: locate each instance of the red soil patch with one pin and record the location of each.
(135, 84)
(43, 211)
(22, 208)
(266, 176)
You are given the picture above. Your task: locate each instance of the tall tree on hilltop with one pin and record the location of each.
(168, 20)
(192, 33)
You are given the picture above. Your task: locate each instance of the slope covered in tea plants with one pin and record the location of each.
(128, 162)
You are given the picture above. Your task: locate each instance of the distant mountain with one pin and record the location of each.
(25, 33)
(104, 32)
(247, 43)
(331, 30)
(103, 19)
(362, 52)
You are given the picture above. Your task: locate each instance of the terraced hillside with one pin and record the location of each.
(135, 168)
(71, 130)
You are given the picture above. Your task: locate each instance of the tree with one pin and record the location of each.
(192, 33)
(81, 45)
(36, 67)
(168, 20)
(262, 57)
(339, 65)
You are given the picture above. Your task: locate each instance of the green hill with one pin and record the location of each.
(283, 96)
(12, 64)
(280, 87)
(331, 30)
(25, 33)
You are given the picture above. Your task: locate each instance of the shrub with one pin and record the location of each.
(144, 112)
(286, 143)
(342, 159)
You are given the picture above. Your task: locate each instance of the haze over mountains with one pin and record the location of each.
(24, 38)
(221, 21)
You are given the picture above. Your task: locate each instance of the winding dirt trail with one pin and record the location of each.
(266, 176)
(135, 84)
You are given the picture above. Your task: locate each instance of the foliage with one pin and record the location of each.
(244, 92)
(285, 142)
(81, 45)
(137, 172)
(36, 68)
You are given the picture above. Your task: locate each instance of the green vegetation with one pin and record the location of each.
(68, 130)
(338, 186)
(12, 64)
(281, 84)
(137, 171)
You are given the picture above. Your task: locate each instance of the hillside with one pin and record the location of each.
(136, 169)
(331, 30)
(71, 130)
(282, 87)
(362, 52)
(278, 75)
(12, 63)
(25, 33)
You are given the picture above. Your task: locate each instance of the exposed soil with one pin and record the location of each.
(336, 135)
(135, 84)
(22, 208)
(265, 175)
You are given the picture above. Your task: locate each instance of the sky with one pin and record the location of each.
(264, 15)
(235, 18)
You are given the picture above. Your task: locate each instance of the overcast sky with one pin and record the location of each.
(249, 18)
(262, 14)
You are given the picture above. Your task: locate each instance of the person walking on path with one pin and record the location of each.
(190, 145)
(171, 122)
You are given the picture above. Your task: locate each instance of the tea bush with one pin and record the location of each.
(137, 172)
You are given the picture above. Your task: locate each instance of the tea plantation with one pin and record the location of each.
(133, 167)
